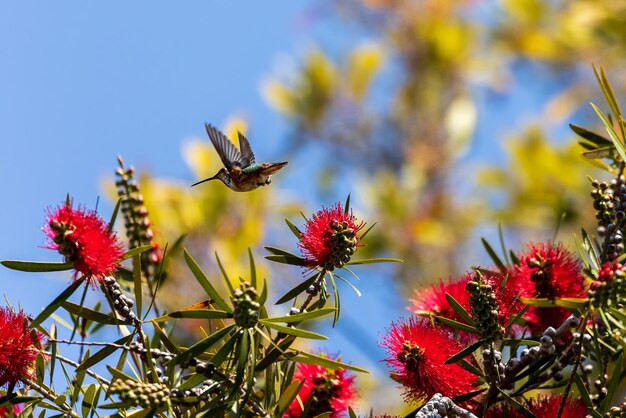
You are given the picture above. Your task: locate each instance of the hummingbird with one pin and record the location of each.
(240, 173)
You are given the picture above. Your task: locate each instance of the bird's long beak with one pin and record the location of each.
(202, 181)
(275, 167)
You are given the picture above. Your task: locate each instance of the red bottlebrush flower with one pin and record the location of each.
(548, 270)
(543, 406)
(19, 346)
(330, 238)
(417, 352)
(433, 301)
(324, 390)
(85, 240)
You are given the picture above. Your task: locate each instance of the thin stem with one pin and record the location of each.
(51, 397)
(88, 371)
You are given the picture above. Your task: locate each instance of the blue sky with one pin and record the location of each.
(82, 82)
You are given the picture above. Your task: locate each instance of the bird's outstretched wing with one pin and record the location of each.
(247, 156)
(226, 150)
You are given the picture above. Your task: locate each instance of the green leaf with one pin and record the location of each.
(293, 331)
(515, 404)
(195, 313)
(137, 283)
(308, 358)
(226, 350)
(494, 257)
(464, 353)
(87, 403)
(347, 206)
(287, 397)
(294, 229)
(224, 274)
(205, 283)
(301, 316)
(460, 310)
(252, 269)
(337, 299)
(569, 303)
(90, 314)
(114, 214)
(454, 324)
(600, 153)
(621, 150)
(102, 354)
(367, 231)
(298, 289)
(36, 266)
(593, 137)
(584, 395)
(284, 257)
(351, 413)
(373, 261)
(57, 302)
(136, 251)
(202, 345)
(613, 384)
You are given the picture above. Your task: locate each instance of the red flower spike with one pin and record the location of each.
(330, 238)
(417, 352)
(331, 390)
(433, 301)
(543, 406)
(548, 270)
(19, 346)
(85, 240)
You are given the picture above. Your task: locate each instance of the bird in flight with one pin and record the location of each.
(240, 173)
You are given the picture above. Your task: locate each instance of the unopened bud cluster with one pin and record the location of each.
(195, 394)
(618, 411)
(158, 357)
(145, 395)
(136, 220)
(492, 365)
(246, 313)
(343, 242)
(68, 248)
(542, 277)
(610, 287)
(121, 303)
(484, 309)
(609, 201)
(440, 406)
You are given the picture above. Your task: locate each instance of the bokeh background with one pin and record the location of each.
(442, 119)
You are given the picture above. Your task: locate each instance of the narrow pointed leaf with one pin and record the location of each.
(455, 324)
(137, 284)
(584, 395)
(202, 345)
(288, 395)
(293, 331)
(494, 257)
(205, 283)
(224, 274)
(301, 316)
(136, 251)
(90, 314)
(57, 302)
(294, 229)
(252, 269)
(286, 259)
(308, 358)
(599, 140)
(195, 313)
(297, 290)
(114, 213)
(36, 266)
(102, 354)
(464, 353)
(347, 205)
(460, 310)
(621, 150)
(373, 261)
